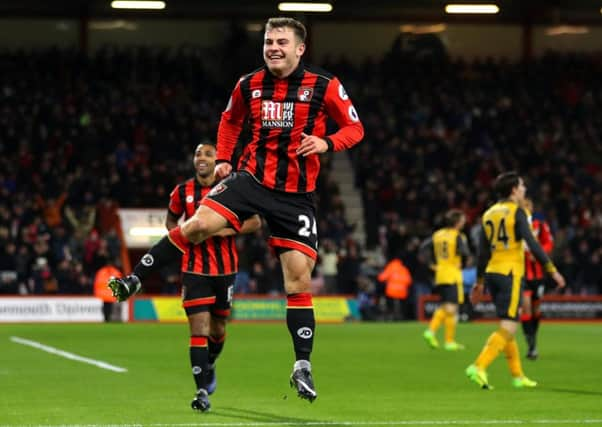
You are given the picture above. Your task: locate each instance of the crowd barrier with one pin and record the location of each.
(50, 309)
(328, 309)
(554, 307)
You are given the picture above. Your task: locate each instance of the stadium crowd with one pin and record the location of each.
(81, 136)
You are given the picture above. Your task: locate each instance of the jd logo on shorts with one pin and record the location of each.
(305, 332)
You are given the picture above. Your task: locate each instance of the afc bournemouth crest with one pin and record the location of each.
(304, 94)
(219, 188)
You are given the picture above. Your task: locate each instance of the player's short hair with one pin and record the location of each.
(206, 142)
(505, 182)
(282, 21)
(452, 217)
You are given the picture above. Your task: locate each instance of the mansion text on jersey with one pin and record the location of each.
(277, 114)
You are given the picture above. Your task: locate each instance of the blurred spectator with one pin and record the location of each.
(367, 299)
(328, 265)
(397, 279)
(101, 291)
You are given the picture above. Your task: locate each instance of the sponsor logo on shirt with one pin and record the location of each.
(277, 114)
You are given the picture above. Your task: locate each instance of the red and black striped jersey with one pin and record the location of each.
(541, 231)
(212, 257)
(278, 111)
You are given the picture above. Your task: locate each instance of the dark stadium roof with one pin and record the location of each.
(512, 11)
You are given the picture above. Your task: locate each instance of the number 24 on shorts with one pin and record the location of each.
(308, 226)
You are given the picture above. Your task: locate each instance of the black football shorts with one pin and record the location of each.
(450, 293)
(207, 293)
(536, 288)
(506, 293)
(291, 217)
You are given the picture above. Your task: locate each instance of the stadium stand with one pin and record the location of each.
(81, 136)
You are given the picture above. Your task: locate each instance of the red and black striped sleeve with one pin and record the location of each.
(231, 124)
(176, 204)
(340, 108)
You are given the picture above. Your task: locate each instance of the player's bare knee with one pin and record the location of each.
(297, 285)
(199, 324)
(218, 327)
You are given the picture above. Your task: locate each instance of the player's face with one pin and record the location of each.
(204, 160)
(282, 51)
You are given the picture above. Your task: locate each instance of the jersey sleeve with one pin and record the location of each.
(523, 231)
(339, 107)
(176, 204)
(231, 124)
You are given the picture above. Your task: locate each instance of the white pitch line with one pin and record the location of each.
(339, 423)
(67, 355)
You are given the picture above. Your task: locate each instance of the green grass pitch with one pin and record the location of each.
(365, 374)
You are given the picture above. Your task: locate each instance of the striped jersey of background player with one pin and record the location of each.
(208, 273)
(534, 279)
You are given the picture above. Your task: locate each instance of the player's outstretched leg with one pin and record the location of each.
(302, 380)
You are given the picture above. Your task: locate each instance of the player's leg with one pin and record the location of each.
(505, 292)
(437, 320)
(527, 316)
(292, 223)
(454, 296)
(199, 332)
(296, 268)
(451, 320)
(220, 311)
(198, 297)
(177, 242)
(538, 292)
(510, 324)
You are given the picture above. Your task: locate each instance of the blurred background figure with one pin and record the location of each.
(397, 279)
(101, 291)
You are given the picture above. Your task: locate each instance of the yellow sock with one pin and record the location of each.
(494, 345)
(437, 319)
(513, 358)
(450, 327)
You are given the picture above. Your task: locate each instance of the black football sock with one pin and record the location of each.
(198, 360)
(301, 323)
(161, 254)
(216, 345)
